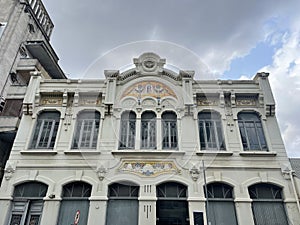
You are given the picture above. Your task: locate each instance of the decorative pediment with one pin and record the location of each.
(149, 63)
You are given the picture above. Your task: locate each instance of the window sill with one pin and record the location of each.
(39, 152)
(142, 152)
(81, 151)
(211, 152)
(257, 153)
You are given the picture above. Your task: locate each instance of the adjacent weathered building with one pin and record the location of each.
(25, 29)
(148, 146)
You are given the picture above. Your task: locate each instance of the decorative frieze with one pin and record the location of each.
(246, 100)
(51, 99)
(148, 168)
(153, 89)
(90, 99)
(203, 100)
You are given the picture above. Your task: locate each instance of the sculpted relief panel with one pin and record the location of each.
(153, 89)
(148, 168)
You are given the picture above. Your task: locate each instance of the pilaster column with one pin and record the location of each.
(50, 211)
(244, 212)
(97, 212)
(5, 205)
(138, 132)
(147, 205)
(158, 132)
(196, 205)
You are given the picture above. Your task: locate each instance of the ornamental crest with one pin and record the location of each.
(148, 168)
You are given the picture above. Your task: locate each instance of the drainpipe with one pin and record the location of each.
(291, 172)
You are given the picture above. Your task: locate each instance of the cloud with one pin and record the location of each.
(218, 31)
(285, 82)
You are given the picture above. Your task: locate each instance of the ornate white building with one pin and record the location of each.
(148, 146)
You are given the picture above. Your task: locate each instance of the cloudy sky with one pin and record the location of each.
(227, 39)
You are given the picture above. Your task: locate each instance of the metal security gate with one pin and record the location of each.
(269, 213)
(122, 212)
(267, 206)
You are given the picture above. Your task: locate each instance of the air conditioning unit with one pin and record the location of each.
(2, 103)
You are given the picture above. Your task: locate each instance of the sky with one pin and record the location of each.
(230, 39)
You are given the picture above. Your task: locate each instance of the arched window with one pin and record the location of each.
(75, 203)
(172, 206)
(28, 203)
(220, 205)
(87, 129)
(169, 131)
(267, 204)
(148, 130)
(123, 205)
(45, 130)
(251, 131)
(210, 131)
(127, 130)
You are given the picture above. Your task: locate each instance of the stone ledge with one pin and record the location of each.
(39, 152)
(257, 153)
(145, 152)
(81, 152)
(217, 153)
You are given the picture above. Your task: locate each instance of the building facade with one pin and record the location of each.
(148, 146)
(25, 30)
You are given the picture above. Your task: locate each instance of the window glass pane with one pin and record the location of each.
(77, 189)
(16, 219)
(219, 190)
(127, 130)
(265, 191)
(46, 130)
(171, 190)
(210, 131)
(87, 129)
(121, 190)
(34, 220)
(251, 131)
(148, 130)
(31, 189)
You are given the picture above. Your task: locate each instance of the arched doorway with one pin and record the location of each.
(74, 208)
(28, 203)
(172, 205)
(123, 205)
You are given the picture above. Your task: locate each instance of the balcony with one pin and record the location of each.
(40, 14)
